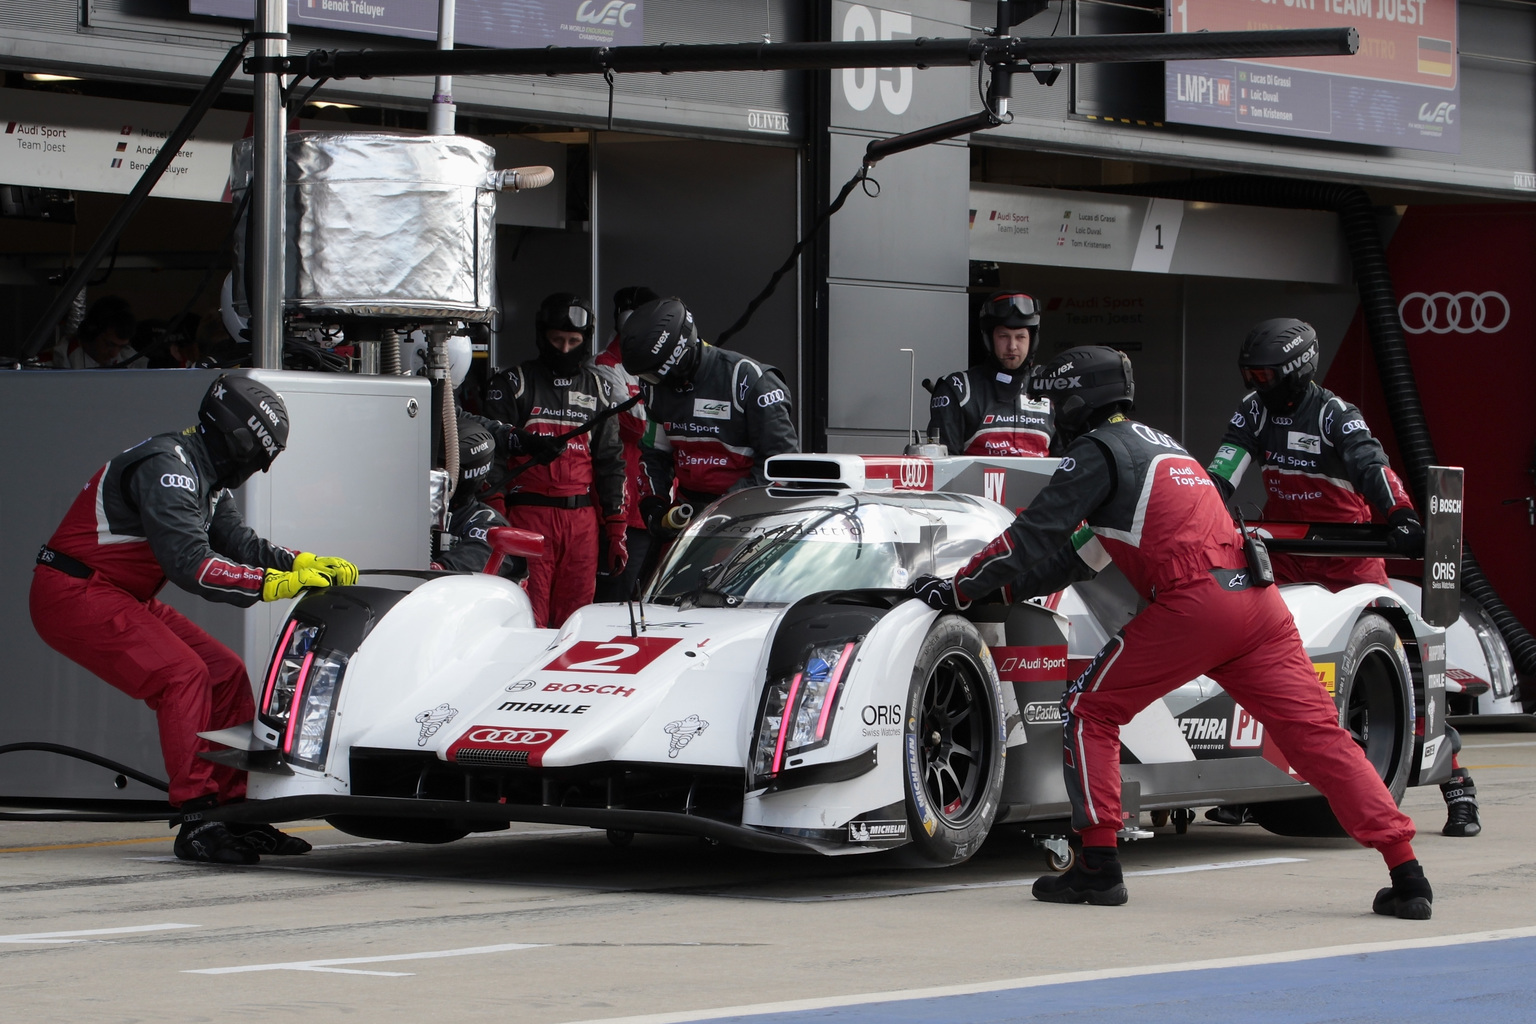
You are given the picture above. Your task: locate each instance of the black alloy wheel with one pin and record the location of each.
(955, 743)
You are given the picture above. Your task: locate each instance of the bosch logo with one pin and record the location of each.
(490, 734)
(1444, 571)
(1458, 312)
(186, 483)
(768, 398)
(614, 12)
(1445, 506)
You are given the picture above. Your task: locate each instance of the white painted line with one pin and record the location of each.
(1284, 957)
(327, 965)
(90, 933)
(1007, 883)
(1489, 746)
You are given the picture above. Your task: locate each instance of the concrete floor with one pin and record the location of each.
(555, 925)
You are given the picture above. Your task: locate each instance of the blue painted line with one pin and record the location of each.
(1484, 982)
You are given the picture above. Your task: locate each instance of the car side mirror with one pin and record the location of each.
(509, 540)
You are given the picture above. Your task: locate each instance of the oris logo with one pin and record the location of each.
(1444, 571)
(1459, 312)
(773, 397)
(186, 483)
(490, 734)
(614, 12)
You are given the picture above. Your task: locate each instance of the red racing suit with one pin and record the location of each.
(985, 411)
(1146, 504)
(633, 425)
(556, 499)
(1321, 465)
(717, 429)
(152, 513)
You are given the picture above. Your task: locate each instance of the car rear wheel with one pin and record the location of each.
(1376, 707)
(953, 746)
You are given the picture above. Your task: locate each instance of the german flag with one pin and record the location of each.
(1436, 57)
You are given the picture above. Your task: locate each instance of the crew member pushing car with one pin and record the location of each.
(1321, 464)
(162, 510)
(721, 414)
(987, 410)
(1127, 493)
(547, 396)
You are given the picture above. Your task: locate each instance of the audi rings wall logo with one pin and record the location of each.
(1453, 312)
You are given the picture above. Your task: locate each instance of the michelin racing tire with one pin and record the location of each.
(1375, 698)
(952, 746)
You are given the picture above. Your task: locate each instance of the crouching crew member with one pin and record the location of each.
(721, 415)
(1321, 465)
(464, 545)
(987, 410)
(1127, 493)
(162, 510)
(547, 396)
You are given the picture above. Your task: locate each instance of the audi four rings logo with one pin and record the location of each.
(1458, 312)
(768, 398)
(186, 483)
(486, 734)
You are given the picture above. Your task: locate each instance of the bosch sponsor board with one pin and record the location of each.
(1401, 89)
(476, 22)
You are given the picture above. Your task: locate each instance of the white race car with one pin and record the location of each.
(777, 690)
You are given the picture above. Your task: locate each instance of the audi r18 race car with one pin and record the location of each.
(777, 689)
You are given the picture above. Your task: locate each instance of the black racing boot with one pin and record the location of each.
(266, 839)
(1408, 897)
(1095, 877)
(1460, 806)
(208, 841)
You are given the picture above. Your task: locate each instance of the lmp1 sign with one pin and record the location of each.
(1402, 89)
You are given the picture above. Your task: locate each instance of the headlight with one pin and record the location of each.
(797, 711)
(299, 697)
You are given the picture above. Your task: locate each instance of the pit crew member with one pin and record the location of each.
(634, 426)
(987, 410)
(549, 395)
(1127, 493)
(721, 414)
(464, 545)
(1320, 464)
(163, 510)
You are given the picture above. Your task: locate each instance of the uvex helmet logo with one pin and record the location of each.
(614, 12)
(492, 734)
(266, 439)
(1058, 383)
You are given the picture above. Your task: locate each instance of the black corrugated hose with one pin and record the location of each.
(1378, 302)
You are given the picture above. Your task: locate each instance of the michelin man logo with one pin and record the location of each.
(432, 720)
(683, 731)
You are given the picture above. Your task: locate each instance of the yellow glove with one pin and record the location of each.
(341, 572)
(279, 585)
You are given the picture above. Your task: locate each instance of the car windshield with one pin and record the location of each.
(779, 556)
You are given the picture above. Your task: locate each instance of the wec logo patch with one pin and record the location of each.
(1309, 443)
(711, 409)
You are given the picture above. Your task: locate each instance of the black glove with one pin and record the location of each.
(541, 448)
(936, 592)
(653, 510)
(1406, 538)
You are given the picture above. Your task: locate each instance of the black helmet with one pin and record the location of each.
(563, 311)
(477, 451)
(250, 418)
(1081, 383)
(1010, 309)
(660, 342)
(627, 300)
(1278, 360)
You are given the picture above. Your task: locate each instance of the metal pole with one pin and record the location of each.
(266, 223)
(440, 117)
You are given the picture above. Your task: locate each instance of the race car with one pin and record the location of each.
(776, 688)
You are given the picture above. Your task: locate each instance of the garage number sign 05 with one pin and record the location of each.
(861, 85)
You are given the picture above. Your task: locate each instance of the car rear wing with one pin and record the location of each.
(1441, 598)
(1011, 482)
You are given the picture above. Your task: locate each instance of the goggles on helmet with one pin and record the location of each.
(1003, 306)
(1260, 378)
(577, 317)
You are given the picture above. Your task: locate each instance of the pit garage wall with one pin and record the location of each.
(352, 483)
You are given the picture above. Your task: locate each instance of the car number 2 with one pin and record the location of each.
(622, 655)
